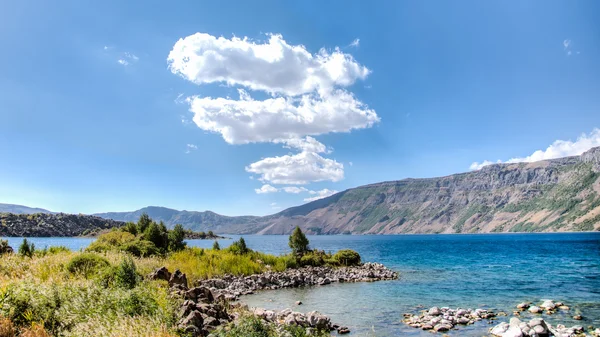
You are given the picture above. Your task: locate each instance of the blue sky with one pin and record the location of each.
(102, 109)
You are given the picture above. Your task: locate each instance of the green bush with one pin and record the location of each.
(239, 247)
(26, 248)
(140, 247)
(86, 264)
(347, 257)
(216, 245)
(126, 275)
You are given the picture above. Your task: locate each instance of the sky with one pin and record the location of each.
(251, 107)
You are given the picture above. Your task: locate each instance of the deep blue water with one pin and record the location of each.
(495, 271)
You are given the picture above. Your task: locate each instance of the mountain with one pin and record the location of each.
(18, 209)
(197, 221)
(60, 224)
(546, 196)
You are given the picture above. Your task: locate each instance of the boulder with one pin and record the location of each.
(500, 329)
(548, 305)
(435, 311)
(513, 331)
(161, 273)
(178, 278)
(535, 309)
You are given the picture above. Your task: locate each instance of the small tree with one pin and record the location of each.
(126, 275)
(298, 242)
(26, 248)
(216, 245)
(211, 234)
(143, 222)
(176, 237)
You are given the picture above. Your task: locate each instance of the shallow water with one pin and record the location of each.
(494, 271)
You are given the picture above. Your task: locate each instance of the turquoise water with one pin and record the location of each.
(493, 271)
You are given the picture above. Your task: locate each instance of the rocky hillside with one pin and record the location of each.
(40, 224)
(547, 196)
(197, 221)
(18, 209)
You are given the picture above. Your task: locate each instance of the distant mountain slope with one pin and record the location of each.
(18, 209)
(60, 224)
(546, 196)
(197, 221)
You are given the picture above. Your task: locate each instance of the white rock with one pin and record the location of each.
(499, 329)
(548, 305)
(513, 331)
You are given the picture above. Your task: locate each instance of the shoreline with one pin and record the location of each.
(213, 302)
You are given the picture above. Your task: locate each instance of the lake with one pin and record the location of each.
(495, 271)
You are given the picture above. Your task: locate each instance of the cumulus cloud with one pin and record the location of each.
(278, 119)
(273, 66)
(265, 189)
(308, 97)
(558, 149)
(324, 193)
(294, 189)
(297, 169)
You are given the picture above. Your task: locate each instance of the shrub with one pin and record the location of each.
(131, 227)
(126, 275)
(139, 247)
(347, 257)
(298, 242)
(216, 245)
(239, 247)
(36, 330)
(7, 328)
(86, 264)
(5, 248)
(26, 248)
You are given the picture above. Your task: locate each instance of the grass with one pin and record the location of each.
(57, 292)
(40, 296)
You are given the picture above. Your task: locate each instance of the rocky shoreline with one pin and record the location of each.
(445, 319)
(207, 305)
(231, 287)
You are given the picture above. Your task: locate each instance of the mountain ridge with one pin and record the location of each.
(560, 194)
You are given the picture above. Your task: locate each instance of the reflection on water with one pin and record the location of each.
(493, 271)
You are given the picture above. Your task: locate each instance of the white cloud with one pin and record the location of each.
(350, 163)
(273, 204)
(273, 66)
(558, 149)
(190, 147)
(297, 169)
(294, 189)
(566, 43)
(479, 166)
(320, 194)
(355, 43)
(126, 58)
(277, 119)
(308, 144)
(307, 98)
(265, 189)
